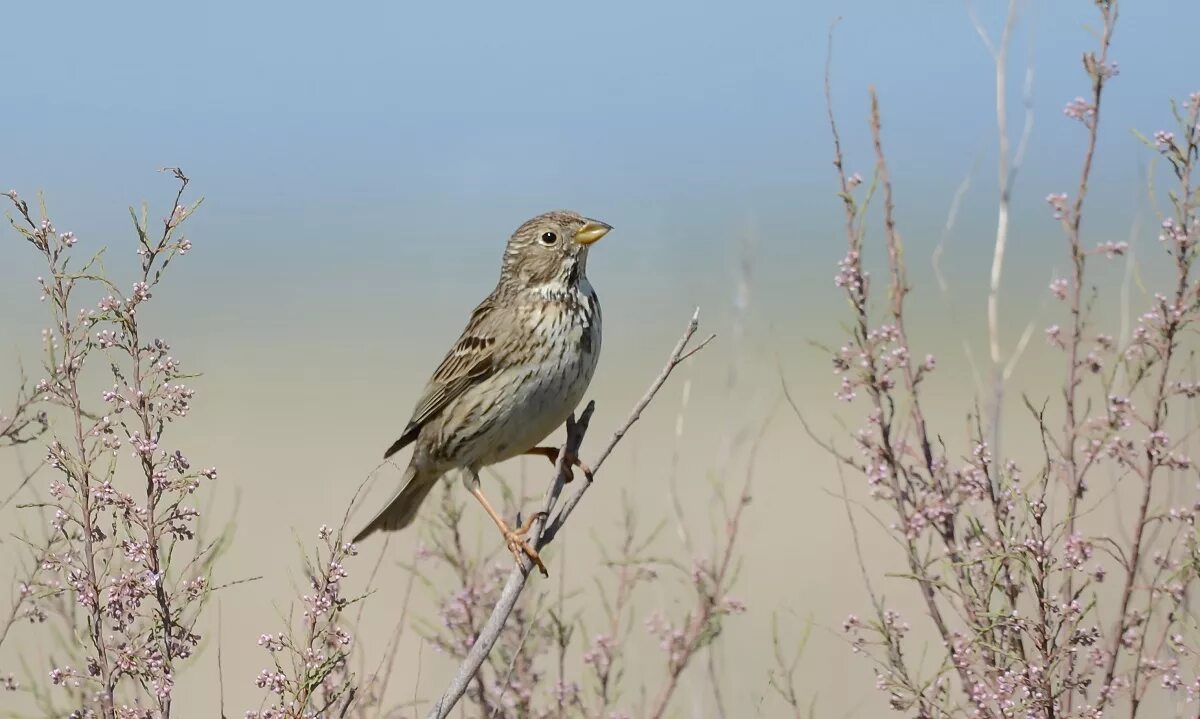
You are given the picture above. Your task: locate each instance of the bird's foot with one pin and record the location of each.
(551, 453)
(520, 547)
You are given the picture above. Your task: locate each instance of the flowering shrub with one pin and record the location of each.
(310, 674)
(1036, 616)
(125, 568)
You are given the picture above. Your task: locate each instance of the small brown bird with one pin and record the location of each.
(519, 369)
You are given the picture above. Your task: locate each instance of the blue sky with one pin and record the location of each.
(279, 103)
(347, 143)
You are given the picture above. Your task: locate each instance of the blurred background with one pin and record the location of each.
(362, 167)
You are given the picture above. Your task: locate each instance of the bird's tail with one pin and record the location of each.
(402, 508)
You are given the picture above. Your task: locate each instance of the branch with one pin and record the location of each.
(678, 356)
(516, 579)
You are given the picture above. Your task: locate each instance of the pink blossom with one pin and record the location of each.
(1080, 109)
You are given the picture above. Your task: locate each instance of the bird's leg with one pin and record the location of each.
(513, 538)
(551, 453)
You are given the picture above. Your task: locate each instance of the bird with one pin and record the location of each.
(517, 371)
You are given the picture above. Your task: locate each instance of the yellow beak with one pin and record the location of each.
(592, 231)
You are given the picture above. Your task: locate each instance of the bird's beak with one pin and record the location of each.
(592, 231)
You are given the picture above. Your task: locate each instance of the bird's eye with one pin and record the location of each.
(549, 238)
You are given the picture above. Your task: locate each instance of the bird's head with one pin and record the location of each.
(551, 249)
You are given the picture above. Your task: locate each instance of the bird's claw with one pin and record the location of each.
(572, 463)
(520, 546)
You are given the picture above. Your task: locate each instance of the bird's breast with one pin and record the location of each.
(564, 347)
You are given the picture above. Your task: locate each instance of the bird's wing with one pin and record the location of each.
(470, 361)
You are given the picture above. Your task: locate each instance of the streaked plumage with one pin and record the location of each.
(518, 370)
